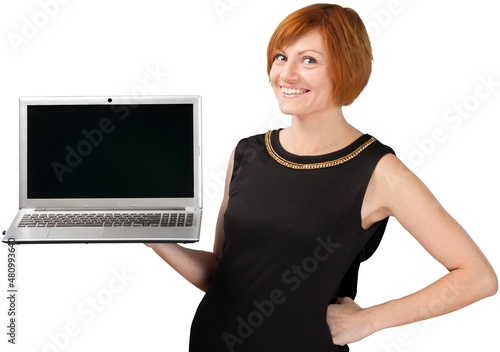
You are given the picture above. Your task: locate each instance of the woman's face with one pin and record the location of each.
(300, 78)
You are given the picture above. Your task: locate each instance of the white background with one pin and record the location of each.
(432, 60)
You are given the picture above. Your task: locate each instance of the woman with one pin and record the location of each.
(305, 204)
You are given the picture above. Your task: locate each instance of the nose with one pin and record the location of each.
(289, 72)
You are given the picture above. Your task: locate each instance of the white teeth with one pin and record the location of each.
(290, 91)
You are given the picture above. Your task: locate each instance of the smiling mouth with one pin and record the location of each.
(293, 91)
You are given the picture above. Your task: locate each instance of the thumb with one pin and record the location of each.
(343, 300)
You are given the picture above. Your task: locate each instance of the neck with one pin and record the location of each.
(319, 134)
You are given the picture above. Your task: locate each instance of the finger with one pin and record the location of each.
(343, 300)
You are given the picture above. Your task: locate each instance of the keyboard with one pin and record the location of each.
(171, 219)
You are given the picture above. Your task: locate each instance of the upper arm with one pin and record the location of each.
(219, 228)
(400, 193)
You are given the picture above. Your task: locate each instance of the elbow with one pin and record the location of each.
(493, 284)
(203, 285)
(482, 282)
(489, 283)
(204, 280)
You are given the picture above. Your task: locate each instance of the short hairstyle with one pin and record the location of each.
(346, 40)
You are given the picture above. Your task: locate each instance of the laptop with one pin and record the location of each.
(109, 169)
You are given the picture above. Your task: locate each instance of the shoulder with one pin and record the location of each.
(397, 187)
(251, 140)
(369, 152)
(376, 148)
(249, 147)
(394, 190)
(391, 172)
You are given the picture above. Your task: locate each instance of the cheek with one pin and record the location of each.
(323, 82)
(273, 75)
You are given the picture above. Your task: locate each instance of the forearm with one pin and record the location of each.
(455, 290)
(196, 266)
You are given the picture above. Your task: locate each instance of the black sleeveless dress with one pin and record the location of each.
(293, 244)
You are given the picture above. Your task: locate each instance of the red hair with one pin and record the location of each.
(346, 40)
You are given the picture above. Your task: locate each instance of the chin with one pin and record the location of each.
(289, 109)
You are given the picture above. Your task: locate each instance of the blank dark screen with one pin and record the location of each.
(110, 151)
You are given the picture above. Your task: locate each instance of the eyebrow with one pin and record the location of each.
(303, 52)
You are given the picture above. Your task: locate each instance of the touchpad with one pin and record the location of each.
(74, 234)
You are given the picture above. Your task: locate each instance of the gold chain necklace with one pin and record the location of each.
(297, 166)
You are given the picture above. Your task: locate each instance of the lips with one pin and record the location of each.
(293, 91)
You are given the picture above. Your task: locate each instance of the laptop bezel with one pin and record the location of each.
(111, 203)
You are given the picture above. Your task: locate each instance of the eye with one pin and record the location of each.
(309, 60)
(280, 58)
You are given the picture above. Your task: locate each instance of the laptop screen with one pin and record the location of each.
(110, 151)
